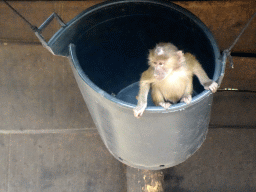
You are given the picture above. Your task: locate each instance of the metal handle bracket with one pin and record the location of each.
(223, 62)
(38, 32)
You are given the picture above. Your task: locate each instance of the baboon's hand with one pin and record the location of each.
(139, 110)
(212, 86)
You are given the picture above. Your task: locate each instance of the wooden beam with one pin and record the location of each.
(224, 18)
(233, 109)
(243, 76)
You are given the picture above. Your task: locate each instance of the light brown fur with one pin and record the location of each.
(170, 76)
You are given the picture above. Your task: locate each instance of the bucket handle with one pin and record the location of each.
(223, 63)
(38, 32)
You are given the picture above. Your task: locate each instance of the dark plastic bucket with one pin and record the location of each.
(108, 46)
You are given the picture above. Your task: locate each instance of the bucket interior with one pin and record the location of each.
(113, 50)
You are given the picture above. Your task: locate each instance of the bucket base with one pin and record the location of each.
(129, 94)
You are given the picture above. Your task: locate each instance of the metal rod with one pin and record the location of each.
(227, 52)
(34, 28)
(242, 31)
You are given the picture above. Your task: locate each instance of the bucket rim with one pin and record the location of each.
(176, 107)
(57, 48)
